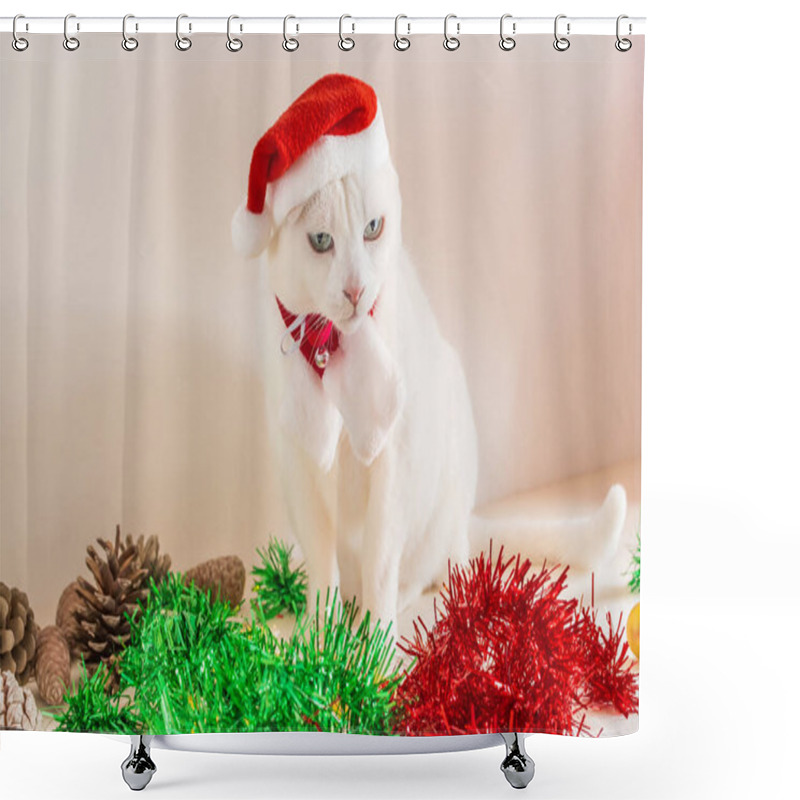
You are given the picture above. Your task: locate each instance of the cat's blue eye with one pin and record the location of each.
(374, 229)
(321, 242)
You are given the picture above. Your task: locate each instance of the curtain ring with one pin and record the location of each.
(401, 42)
(17, 42)
(290, 44)
(129, 43)
(451, 43)
(183, 43)
(623, 45)
(561, 43)
(233, 44)
(70, 43)
(507, 42)
(346, 42)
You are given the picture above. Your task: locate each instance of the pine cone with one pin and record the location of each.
(122, 575)
(157, 566)
(18, 711)
(17, 634)
(224, 577)
(65, 615)
(52, 664)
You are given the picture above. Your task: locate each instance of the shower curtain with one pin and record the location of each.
(320, 385)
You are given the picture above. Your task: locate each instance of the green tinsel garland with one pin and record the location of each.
(180, 645)
(93, 706)
(278, 587)
(348, 672)
(193, 667)
(634, 583)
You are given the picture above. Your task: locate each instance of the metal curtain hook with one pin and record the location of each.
(71, 43)
(233, 44)
(623, 45)
(561, 43)
(182, 42)
(507, 42)
(346, 42)
(451, 42)
(129, 43)
(290, 44)
(401, 42)
(17, 42)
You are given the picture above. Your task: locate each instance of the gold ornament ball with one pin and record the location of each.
(633, 630)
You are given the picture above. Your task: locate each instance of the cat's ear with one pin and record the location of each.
(249, 231)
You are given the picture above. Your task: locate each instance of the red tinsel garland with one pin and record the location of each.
(508, 653)
(608, 677)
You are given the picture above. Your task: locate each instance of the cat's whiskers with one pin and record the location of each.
(317, 325)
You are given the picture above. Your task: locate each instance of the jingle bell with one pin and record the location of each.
(321, 357)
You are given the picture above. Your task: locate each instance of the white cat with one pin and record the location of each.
(378, 447)
(380, 500)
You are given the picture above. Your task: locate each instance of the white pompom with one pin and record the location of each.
(249, 231)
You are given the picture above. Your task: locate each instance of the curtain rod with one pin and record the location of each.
(407, 25)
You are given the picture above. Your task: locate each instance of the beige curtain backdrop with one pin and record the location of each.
(131, 333)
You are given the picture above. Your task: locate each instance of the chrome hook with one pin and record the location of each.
(507, 42)
(623, 45)
(290, 44)
(17, 42)
(346, 42)
(561, 43)
(129, 43)
(451, 42)
(401, 42)
(183, 43)
(233, 44)
(71, 43)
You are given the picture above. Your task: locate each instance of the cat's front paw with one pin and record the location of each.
(368, 433)
(365, 385)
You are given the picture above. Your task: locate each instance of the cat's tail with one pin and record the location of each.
(583, 543)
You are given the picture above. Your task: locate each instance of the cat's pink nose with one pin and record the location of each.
(354, 294)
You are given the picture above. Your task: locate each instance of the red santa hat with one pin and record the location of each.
(333, 129)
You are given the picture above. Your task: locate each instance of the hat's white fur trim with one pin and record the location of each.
(329, 158)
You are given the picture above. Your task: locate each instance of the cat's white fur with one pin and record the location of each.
(379, 459)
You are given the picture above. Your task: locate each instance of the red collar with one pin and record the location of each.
(317, 335)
